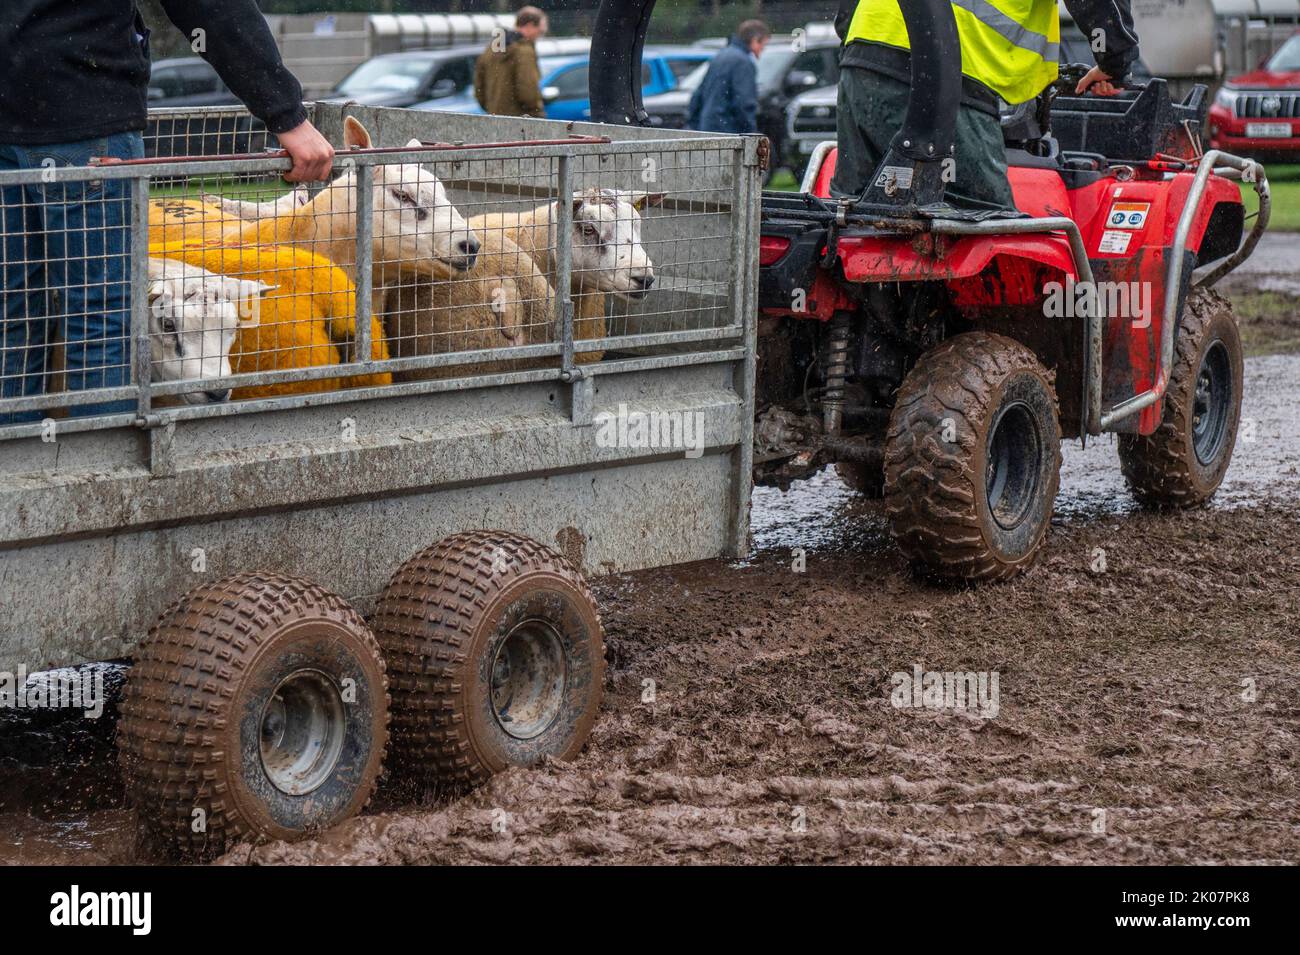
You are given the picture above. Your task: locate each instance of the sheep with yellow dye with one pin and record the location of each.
(503, 300)
(308, 318)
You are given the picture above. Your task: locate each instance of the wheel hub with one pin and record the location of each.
(1012, 472)
(301, 732)
(528, 674)
(1211, 404)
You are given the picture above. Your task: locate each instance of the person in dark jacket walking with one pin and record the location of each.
(726, 101)
(507, 80)
(74, 86)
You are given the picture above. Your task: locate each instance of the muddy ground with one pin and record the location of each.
(1148, 704)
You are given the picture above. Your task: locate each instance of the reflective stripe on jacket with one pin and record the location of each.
(1010, 46)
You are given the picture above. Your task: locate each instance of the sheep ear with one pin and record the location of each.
(642, 200)
(578, 203)
(354, 134)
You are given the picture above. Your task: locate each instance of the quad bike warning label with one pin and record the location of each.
(1114, 241)
(1128, 215)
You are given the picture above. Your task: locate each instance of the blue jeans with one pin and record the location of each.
(71, 240)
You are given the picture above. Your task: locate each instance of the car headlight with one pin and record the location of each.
(1226, 98)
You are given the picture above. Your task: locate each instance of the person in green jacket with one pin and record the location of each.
(507, 81)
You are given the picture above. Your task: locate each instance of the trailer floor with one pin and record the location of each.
(1147, 712)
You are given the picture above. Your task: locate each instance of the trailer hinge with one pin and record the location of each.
(582, 397)
(162, 432)
(758, 152)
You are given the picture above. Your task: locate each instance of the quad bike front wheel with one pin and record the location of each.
(972, 459)
(1182, 463)
(257, 707)
(496, 655)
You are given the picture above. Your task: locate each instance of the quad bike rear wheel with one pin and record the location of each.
(496, 655)
(972, 459)
(257, 707)
(1182, 463)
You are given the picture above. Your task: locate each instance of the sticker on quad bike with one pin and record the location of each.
(1114, 241)
(1128, 215)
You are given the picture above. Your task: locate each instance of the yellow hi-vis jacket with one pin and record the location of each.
(1011, 46)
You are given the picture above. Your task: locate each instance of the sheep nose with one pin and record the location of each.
(216, 397)
(644, 281)
(469, 248)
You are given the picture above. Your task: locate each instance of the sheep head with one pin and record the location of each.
(415, 225)
(607, 252)
(193, 317)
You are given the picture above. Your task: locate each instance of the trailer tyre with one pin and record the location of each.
(257, 707)
(1182, 463)
(972, 459)
(496, 656)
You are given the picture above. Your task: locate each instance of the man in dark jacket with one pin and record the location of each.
(74, 86)
(726, 101)
(507, 81)
(1008, 53)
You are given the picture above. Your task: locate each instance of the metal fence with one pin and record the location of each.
(192, 285)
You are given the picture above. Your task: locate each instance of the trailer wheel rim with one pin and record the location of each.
(528, 677)
(302, 732)
(1012, 474)
(1212, 403)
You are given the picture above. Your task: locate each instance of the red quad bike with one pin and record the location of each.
(938, 358)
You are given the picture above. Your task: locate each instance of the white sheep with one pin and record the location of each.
(608, 258)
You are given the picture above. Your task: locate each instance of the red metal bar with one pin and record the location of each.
(373, 150)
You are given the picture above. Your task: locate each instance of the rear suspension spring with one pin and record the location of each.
(837, 369)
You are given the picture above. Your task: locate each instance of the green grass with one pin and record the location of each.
(1284, 185)
(257, 189)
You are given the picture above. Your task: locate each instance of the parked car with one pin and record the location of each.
(786, 69)
(811, 117)
(1257, 114)
(565, 70)
(189, 83)
(413, 76)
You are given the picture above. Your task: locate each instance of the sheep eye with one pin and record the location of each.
(404, 197)
(169, 325)
(590, 231)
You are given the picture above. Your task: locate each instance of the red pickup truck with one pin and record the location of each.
(1257, 114)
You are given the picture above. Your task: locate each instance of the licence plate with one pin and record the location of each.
(1268, 130)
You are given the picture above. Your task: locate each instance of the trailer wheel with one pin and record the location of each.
(257, 707)
(1183, 461)
(496, 656)
(972, 459)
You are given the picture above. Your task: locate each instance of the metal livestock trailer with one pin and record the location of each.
(249, 536)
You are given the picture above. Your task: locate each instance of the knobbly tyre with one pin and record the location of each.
(937, 359)
(343, 523)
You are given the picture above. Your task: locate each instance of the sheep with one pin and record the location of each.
(608, 259)
(496, 297)
(194, 316)
(415, 227)
(307, 320)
